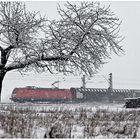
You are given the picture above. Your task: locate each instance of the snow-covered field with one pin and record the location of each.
(82, 120)
(63, 106)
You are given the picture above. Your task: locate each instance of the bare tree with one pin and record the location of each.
(79, 42)
(19, 37)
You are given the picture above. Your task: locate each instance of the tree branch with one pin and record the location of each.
(1, 49)
(30, 62)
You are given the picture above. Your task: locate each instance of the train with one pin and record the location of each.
(37, 94)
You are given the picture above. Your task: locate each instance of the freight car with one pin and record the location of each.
(100, 94)
(132, 102)
(34, 94)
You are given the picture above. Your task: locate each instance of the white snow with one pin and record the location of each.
(3, 134)
(77, 117)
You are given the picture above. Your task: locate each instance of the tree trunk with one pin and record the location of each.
(2, 74)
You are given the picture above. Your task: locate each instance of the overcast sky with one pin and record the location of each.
(125, 68)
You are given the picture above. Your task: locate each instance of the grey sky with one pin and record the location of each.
(125, 69)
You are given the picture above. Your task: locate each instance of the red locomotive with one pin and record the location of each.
(34, 94)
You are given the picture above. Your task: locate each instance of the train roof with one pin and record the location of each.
(105, 90)
(40, 88)
(88, 89)
(135, 98)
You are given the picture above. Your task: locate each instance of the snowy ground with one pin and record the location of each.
(84, 120)
(70, 106)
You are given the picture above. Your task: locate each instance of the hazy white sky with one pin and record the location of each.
(125, 69)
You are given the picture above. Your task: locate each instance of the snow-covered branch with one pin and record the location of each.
(80, 41)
